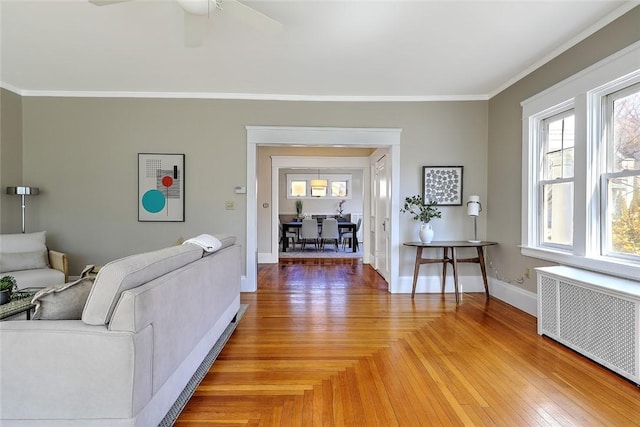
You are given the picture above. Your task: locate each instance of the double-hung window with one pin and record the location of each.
(621, 181)
(555, 193)
(581, 169)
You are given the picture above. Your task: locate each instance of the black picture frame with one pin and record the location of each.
(442, 184)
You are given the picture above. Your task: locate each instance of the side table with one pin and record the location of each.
(450, 246)
(20, 302)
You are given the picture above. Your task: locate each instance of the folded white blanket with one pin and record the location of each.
(206, 241)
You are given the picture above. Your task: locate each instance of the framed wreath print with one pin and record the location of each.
(160, 187)
(442, 184)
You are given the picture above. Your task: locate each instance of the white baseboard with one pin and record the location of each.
(512, 295)
(267, 258)
(432, 284)
(246, 287)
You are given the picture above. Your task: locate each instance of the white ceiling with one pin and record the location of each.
(385, 49)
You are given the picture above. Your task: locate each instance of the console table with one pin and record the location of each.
(450, 257)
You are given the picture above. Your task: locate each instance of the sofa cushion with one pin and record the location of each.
(130, 272)
(62, 302)
(25, 251)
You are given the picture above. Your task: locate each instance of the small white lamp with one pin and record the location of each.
(473, 209)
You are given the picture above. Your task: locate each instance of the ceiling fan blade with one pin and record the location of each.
(251, 16)
(195, 27)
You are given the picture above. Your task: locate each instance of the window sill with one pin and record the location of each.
(599, 264)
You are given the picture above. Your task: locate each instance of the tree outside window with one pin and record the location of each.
(624, 180)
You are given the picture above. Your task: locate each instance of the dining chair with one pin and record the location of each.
(309, 231)
(348, 235)
(293, 235)
(330, 232)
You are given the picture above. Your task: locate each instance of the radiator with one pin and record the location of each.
(594, 314)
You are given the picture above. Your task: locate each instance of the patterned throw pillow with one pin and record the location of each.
(65, 301)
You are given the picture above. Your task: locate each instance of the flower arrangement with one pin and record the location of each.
(421, 211)
(299, 208)
(340, 207)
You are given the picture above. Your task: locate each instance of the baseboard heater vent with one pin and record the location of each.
(594, 314)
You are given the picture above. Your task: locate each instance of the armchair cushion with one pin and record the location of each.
(38, 278)
(23, 252)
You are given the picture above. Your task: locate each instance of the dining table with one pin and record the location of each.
(342, 225)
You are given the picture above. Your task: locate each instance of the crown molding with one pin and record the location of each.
(240, 96)
(567, 45)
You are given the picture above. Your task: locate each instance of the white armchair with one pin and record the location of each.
(26, 257)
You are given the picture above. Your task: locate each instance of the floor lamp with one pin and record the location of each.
(473, 209)
(22, 192)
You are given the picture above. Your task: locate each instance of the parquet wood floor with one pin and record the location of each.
(327, 345)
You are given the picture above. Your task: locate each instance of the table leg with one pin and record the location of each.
(454, 261)
(483, 268)
(445, 261)
(416, 269)
(285, 240)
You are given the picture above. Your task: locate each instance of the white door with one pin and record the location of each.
(382, 194)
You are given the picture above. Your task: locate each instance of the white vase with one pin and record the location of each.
(426, 233)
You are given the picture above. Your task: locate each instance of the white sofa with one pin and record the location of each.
(26, 257)
(147, 324)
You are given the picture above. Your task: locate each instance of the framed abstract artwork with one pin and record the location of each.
(442, 184)
(160, 187)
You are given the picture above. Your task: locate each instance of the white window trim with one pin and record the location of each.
(582, 91)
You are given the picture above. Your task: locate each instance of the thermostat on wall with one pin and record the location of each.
(241, 189)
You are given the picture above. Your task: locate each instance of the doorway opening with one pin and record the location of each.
(352, 171)
(379, 138)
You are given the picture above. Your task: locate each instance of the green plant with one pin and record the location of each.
(298, 207)
(421, 211)
(8, 283)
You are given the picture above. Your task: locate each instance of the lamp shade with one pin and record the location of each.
(473, 206)
(318, 182)
(26, 191)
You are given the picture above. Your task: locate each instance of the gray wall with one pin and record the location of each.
(505, 143)
(10, 160)
(82, 152)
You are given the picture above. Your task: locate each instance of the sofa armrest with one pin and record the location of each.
(57, 369)
(59, 261)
